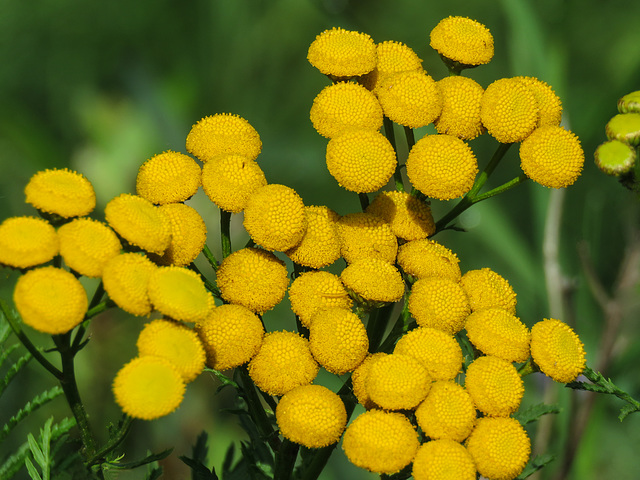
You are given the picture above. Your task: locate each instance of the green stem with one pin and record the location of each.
(364, 200)
(527, 368)
(377, 324)
(411, 138)
(225, 233)
(398, 329)
(391, 136)
(210, 257)
(502, 188)
(116, 440)
(285, 460)
(256, 411)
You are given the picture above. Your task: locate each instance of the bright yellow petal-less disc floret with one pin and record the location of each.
(428, 258)
(494, 385)
(487, 289)
(223, 133)
(443, 460)
(393, 57)
(125, 279)
(495, 331)
(557, 350)
(460, 114)
(27, 241)
(188, 234)
(61, 192)
(397, 382)
(365, 235)
(409, 217)
(168, 177)
(341, 53)
(410, 98)
(462, 40)
(320, 245)
(549, 104)
(447, 412)
(314, 291)
(373, 280)
(439, 303)
(358, 380)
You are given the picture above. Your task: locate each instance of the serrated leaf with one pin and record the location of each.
(33, 473)
(226, 381)
(228, 460)
(38, 456)
(154, 474)
(13, 371)
(627, 410)
(7, 351)
(199, 471)
(534, 412)
(535, 464)
(34, 404)
(152, 457)
(14, 462)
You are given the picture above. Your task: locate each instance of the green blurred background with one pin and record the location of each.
(101, 86)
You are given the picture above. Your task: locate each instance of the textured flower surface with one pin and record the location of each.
(320, 245)
(549, 104)
(179, 293)
(428, 258)
(495, 331)
(487, 289)
(410, 98)
(358, 379)
(373, 280)
(27, 241)
(125, 278)
(462, 40)
(314, 291)
(439, 303)
(61, 192)
(393, 57)
(557, 350)
(223, 133)
(168, 177)
(342, 53)
(409, 217)
(443, 460)
(447, 412)
(397, 382)
(494, 385)
(365, 235)
(460, 114)
(188, 234)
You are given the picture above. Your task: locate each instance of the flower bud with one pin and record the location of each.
(630, 103)
(615, 157)
(625, 127)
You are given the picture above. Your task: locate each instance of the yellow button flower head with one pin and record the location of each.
(148, 388)
(381, 442)
(275, 217)
(168, 177)
(361, 161)
(494, 385)
(373, 280)
(341, 53)
(549, 104)
(442, 166)
(229, 180)
(460, 114)
(320, 245)
(410, 98)
(338, 340)
(125, 279)
(428, 258)
(179, 293)
(409, 217)
(495, 331)
(188, 234)
(500, 448)
(283, 363)
(393, 57)
(87, 245)
(345, 106)
(223, 133)
(254, 278)
(447, 412)
(50, 299)
(358, 380)
(443, 460)
(462, 40)
(438, 352)
(314, 291)
(487, 289)
(552, 156)
(176, 343)
(365, 235)
(509, 110)
(139, 222)
(439, 303)
(397, 382)
(61, 192)
(27, 241)
(311, 415)
(557, 350)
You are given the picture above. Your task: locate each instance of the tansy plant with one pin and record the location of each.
(430, 359)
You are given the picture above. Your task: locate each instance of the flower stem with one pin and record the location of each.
(256, 411)
(377, 324)
(116, 440)
(210, 257)
(411, 138)
(225, 233)
(391, 136)
(285, 460)
(364, 200)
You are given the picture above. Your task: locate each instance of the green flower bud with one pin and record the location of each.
(615, 157)
(630, 103)
(625, 127)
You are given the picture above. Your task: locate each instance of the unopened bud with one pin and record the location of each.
(630, 103)
(625, 127)
(615, 157)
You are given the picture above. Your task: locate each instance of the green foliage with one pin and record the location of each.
(534, 412)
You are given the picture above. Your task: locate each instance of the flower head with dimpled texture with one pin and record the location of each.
(409, 217)
(557, 350)
(223, 133)
(341, 53)
(462, 40)
(168, 177)
(61, 192)
(27, 241)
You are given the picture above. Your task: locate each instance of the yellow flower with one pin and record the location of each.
(381, 442)
(50, 299)
(397, 382)
(87, 245)
(442, 166)
(341, 53)
(311, 415)
(447, 412)
(495, 331)
(549, 104)
(139, 222)
(283, 363)
(393, 57)
(176, 343)
(27, 241)
(148, 388)
(409, 217)
(486, 289)
(223, 133)
(320, 245)
(443, 460)
(61, 192)
(500, 448)
(428, 258)
(410, 98)
(365, 235)
(462, 40)
(314, 291)
(373, 280)
(494, 385)
(188, 234)
(168, 177)
(229, 180)
(361, 161)
(275, 218)
(358, 380)
(231, 335)
(439, 303)
(509, 110)
(125, 278)
(557, 350)
(345, 106)
(552, 156)
(254, 278)
(460, 114)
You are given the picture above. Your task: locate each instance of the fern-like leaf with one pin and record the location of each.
(37, 402)
(13, 371)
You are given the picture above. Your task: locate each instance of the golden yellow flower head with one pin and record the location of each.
(176, 343)
(148, 388)
(409, 217)
(283, 363)
(373, 280)
(460, 114)
(557, 350)
(223, 133)
(381, 442)
(314, 291)
(365, 235)
(125, 278)
(188, 234)
(443, 460)
(358, 380)
(311, 415)
(168, 177)
(361, 161)
(487, 289)
(499, 447)
(231, 335)
(338, 339)
(254, 278)
(61, 192)
(229, 180)
(439, 303)
(495, 331)
(442, 166)
(410, 98)
(552, 156)
(345, 106)
(27, 241)
(320, 245)
(393, 57)
(139, 222)
(549, 104)
(87, 245)
(462, 40)
(275, 218)
(428, 258)
(341, 53)
(397, 382)
(50, 299)
(494, 386)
